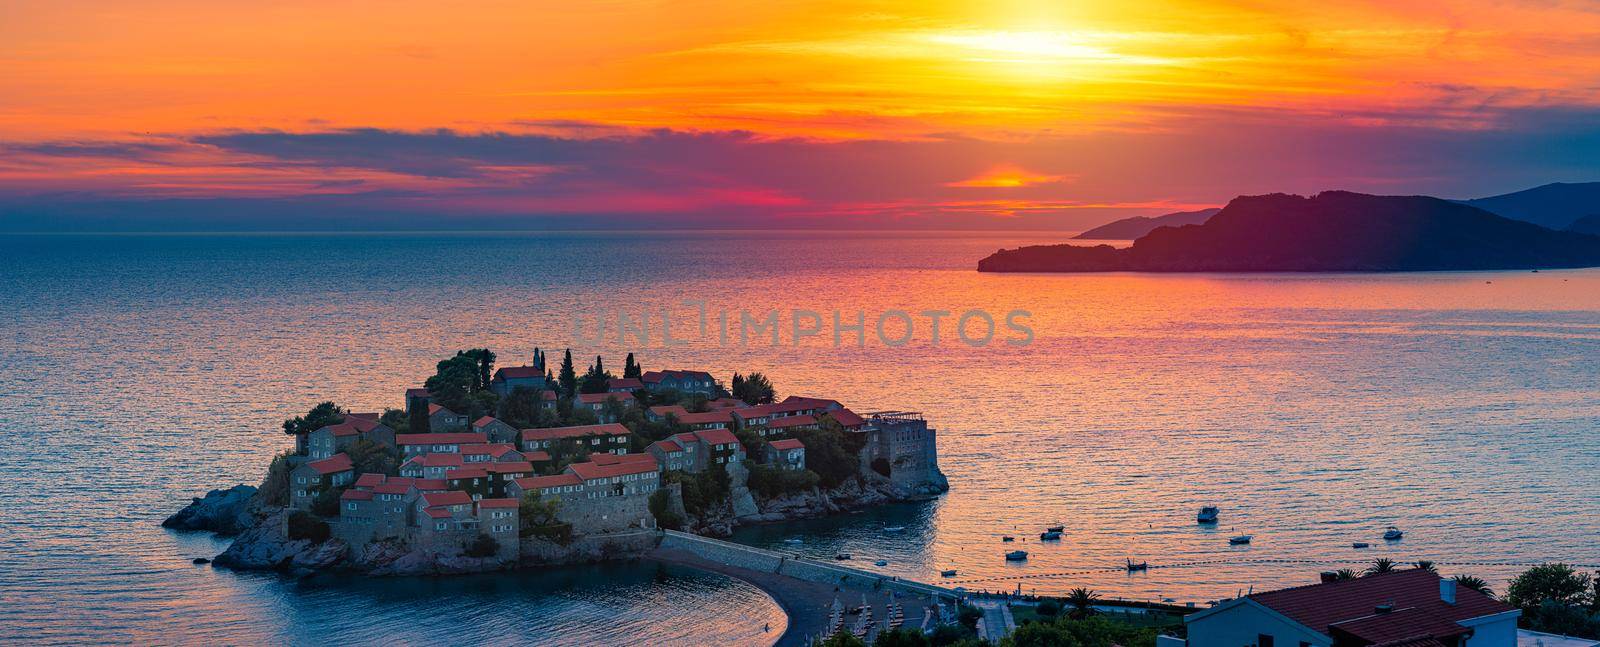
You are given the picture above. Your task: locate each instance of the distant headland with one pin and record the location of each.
(1334, 231)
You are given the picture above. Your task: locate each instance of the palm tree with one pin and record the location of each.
(1082, 601)
(1426, 565)
(1474, 583)
(1344, 574)
(1380, 566)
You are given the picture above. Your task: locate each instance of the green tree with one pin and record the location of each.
(1556, 582)
(523, 408)
(1082, 601)
(537, 517)
(484, 358)
(568, 378)
(274, 490)
(631, 369)
(1473, 583)
(1380, 566)
(454, 382)
(322, 415)
(396, 419)
(373, 458)
(661, 509)
(842, 639)
(481, 546)
(902, 637)
(1426, 565)
(1049, 608)
(753, 388)
(326, 503)
(828, 452)
(304, 525)
(1345, 574)
(596, 379)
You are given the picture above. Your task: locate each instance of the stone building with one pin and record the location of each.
(509, 378)
(496, 430)
(311, 477)
(332, 439)
(449, 443)
(902, 443)
(442, 420)
(699, 382)
(611, 438)
(788, 454)
(607, 494)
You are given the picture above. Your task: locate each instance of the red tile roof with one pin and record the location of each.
(491, 449)
(483, 422)
(369, 480)
(437, 513)
(724, 416)
(727, 403)
(613, 459)
(847, 418)
(537, 482)
(367, 415)
(599, 398)
(593, 470)
(624, 383)
(652, 377)
(547, 395)
(787, 444)
(467, 473)
(417, 392)
(356, 495)
(436, 460)
(427, 484)
(394, 486)
(352, 425)
(558, 433)
(716, 436)
(498, 503)
(453, 497)
(792, 421)
(1320, 605)
(536, 456)
(668, 445)
(664, 410)
(518, 372)
(508, 467)
(332, 464)
(462, 438)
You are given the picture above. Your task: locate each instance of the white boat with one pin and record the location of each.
(793, 541)
(1207, 514)
(1237, 540)
(881, 562)
(1017, 556)
(1393, 533)
(895, 529)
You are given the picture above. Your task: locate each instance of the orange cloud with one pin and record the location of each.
(1007, 177)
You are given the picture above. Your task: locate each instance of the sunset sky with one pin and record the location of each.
(194, 114)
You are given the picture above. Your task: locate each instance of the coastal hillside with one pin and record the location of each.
(1131, 228)
(1587, 225)
(1556, 205)
(1334, 231)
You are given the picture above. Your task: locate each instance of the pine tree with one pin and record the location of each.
(631, 368)
(569, 376)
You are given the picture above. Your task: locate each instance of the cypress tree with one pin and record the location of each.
(569, 376)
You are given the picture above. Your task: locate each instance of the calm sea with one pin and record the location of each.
(138, 371)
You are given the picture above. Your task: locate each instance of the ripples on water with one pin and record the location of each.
(1314, 409)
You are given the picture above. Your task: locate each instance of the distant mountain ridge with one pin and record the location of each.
(1334, 231)
(1556, 205)
(1586, 225)
(1131, 228)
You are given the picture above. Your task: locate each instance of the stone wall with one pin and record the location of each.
(756, 559)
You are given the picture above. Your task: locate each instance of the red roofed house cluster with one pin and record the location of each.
(1407, 608)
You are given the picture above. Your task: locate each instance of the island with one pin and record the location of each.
(487, 468)
(1131, 228)
(1334, 231)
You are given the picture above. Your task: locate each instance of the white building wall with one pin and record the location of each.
(1493, 631)
(1241, 624)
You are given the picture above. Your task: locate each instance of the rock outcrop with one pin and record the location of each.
(225, 512)
(267, 546)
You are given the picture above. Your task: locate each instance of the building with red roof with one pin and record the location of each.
(624, 384)
(310, 478)
(335, 438)
(438, 443)
(496, 429)
(610, 438)
(787, 454)
(510, 378)
(699, 382)
(1407, 608)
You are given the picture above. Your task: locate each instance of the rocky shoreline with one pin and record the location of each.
(262, 543)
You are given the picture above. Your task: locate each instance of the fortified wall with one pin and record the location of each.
(904, 442)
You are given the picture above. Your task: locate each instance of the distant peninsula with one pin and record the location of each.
(1131, 228)
(1334, 231)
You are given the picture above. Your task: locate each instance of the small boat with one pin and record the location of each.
(842, 556)
(1008, 538)
(1393, 533)
(895, 529)
(881, 562)
(1238, 540)
(1050, 535)
(1017, 556)
(1141, 566)
(793, 541)
(1360, 544)
(947, 573)
(1055, 529)
(1207, 514)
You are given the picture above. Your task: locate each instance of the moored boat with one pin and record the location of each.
(1055, 529)
(1008, 538)
(949, 572)
(1050, 535)
(1360, 544)
(1016, 556)
(895, 529)
(1207, 514)
(1140, 566)
(1238, 540)
(1393, 533)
